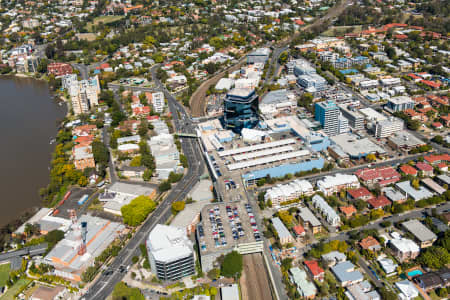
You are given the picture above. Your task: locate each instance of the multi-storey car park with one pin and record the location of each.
(226, 227)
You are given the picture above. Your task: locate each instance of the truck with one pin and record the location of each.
(83, 199)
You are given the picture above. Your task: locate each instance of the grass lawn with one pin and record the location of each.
(104, 20)
(4, 273)
(12, 291)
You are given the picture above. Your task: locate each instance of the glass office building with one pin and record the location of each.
(241, 109)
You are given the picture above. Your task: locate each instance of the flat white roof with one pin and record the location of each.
(266, 152)
(267, 160)
(168, 243)
(256, 147)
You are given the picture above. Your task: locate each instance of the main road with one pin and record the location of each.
(104, 284)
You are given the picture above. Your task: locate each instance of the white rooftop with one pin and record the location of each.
(169, 243)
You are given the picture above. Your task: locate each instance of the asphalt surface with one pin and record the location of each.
(105, 282)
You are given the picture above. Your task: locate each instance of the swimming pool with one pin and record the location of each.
(414, 273)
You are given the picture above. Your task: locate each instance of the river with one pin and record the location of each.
(28, 121)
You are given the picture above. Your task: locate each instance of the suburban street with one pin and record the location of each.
(105, 282)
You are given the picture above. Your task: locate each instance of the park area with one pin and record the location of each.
(104, 20)
(4, 273)
(15, 289)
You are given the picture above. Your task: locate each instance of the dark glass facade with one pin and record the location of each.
(176, 269)
(240, 109)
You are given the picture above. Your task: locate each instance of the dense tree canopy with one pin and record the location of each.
(232, 265)
(137, 210)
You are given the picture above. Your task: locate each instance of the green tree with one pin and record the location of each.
(164, 186)
(232, 265)
(177, 206)
(137, 210)
(123, 292)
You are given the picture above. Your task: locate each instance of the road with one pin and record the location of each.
(104, 284)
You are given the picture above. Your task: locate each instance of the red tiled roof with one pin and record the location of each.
(430, 83)
(359, 193)
(383, 173)
(368, 242)
(424, 167)
(348, 210)
(434, 158)
(299, 230)
(380, 201)
(413, 76)
(313, 267)
(442, 165)
(437, 125)
(407, 169)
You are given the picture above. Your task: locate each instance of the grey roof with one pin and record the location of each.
(282, 231)
(421, 193)
(420, 231)
(307, 216)
(344, 273)
(405, 139)
(393, 194)
(356, 147)
(327, 210)
(433, 185)
(275, 97)
(444, 178)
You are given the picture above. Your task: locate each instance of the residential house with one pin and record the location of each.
(315, 270)
(361, 193)
(348, 211)
(347, 274)
(407, 290)
(370, 243)
(408, 170)
(425, 169)
(404, 249)
(379, 202)
(305, 288)
(423, 235)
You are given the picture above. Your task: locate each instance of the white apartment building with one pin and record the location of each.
(290, 191)
(332, 184)
(158, 102)
(386, 128)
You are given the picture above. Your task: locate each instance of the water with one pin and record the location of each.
(28, 121)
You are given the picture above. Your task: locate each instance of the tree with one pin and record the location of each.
(213, 274)
(415, 184)
(123, 292)
(434, 257)
(371, 157)
(137, 210)
(147, 175)
(285, 217)
(100, 152)
(164, 186)
(213, 291)
(177, 206)
(136, 161)
(232, 265)
(89, 274)
(54, 237)
(283, 57)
